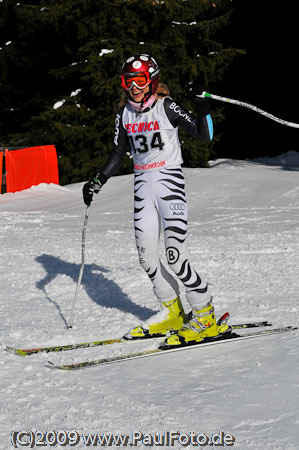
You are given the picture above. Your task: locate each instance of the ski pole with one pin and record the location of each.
(248, 105)
(81, 268)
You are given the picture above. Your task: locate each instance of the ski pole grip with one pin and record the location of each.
(204, 94)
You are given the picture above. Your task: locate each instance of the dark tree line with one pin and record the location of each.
(60, 63)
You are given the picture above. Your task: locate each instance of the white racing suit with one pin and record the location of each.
(160, 192)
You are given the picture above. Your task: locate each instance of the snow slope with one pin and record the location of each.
(243, 238)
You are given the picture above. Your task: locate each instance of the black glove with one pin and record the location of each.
(89, 188)
(192, 90)
(201, 105)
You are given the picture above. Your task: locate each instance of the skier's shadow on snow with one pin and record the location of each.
(102, 291)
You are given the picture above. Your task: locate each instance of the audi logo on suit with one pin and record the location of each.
(177, 206)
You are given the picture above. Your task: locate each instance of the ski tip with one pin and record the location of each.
(15, 351)
(22, 352)
(10, 349)
(51, 365)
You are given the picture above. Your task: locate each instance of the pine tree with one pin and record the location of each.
(25, 87)
(265, 76)
(61, 73)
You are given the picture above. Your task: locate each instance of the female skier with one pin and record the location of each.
(149, 119)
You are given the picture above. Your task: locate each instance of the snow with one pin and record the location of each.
(75, 93)
(183, 23)
(243, 238)
(58, 104)
(105, 51)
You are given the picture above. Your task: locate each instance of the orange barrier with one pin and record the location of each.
(1, 158)
(30, 166)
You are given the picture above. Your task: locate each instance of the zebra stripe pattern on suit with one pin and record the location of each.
(160, 201)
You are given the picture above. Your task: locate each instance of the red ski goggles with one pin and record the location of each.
(140, 80)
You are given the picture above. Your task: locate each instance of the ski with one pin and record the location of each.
(224, 338)
(62, 348)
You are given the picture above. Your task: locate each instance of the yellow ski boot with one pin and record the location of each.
(170, 318)
(202, 325)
